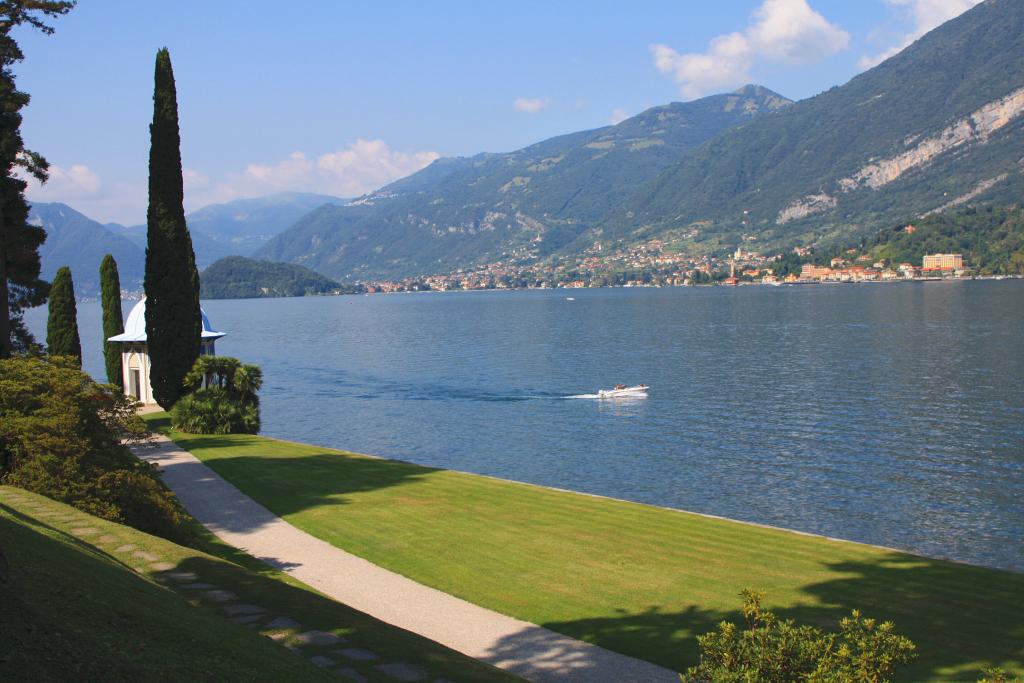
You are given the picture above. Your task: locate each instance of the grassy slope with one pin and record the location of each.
(634, 578)
(72, 607)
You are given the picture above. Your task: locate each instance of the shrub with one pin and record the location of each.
(224, 399)
(995, 675)
(773, 650)
(63, 435)
(215, 411)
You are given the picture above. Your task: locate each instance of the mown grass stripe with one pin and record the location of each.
(634, 578)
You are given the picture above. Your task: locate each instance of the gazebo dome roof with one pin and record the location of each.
(135, 326)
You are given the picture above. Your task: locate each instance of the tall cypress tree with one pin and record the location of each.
(20, 284)
(173, 322)
(113, 318)
(62, 324)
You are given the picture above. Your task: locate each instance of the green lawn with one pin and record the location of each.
(633, 578)
(77, 604)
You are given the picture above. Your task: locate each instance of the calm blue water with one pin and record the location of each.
(890, 414)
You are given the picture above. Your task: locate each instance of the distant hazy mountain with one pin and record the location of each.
(242, 226)
(248, 224)
(237, 277)
(80, 243)
(537, 199)
(207, 248)
(937, 126)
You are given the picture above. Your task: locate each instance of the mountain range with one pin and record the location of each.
(218, 230)
(935, 127)
(533, 201)
(239, 227)
(74, 240)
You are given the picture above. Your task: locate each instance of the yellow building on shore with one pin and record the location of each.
(943, 262)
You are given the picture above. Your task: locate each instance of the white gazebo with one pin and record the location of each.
(135, 353)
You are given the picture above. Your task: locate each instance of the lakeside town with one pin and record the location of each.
(652, 265)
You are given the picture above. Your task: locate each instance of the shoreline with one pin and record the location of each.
(705, 515)
(592, 567)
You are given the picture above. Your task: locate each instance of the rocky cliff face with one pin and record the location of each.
(937, 126)
(978, 127)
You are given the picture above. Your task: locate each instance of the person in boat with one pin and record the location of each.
(620, 386)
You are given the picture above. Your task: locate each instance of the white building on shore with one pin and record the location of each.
(135, 352)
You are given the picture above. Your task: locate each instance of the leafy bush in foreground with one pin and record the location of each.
(62, 435)
(227, 405)
(773, 650)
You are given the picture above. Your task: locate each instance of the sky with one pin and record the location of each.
(343, 97)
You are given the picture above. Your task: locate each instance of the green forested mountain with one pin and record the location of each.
(237, 277)
(80, 243)
(532, 201)
(991, 240)
(936, 126)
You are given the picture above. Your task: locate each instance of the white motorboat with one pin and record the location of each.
(622, 391)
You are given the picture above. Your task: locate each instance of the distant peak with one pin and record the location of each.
(754, 90)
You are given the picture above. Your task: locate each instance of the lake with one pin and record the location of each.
(889, 414)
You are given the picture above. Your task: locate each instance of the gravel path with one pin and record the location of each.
(522, 648)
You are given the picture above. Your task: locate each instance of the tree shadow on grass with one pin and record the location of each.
(961, 617)
(315, 612)
(306, 478)
(287, 485)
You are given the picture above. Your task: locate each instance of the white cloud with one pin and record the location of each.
(530, 105)
(786, 31)
(74, 182)
(924, 15)
(362, 167)
(193, 180)
(618, 116)
(82, 189)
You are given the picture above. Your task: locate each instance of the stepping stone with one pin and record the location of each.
(87, 531)
(246, 618)
(125, 548)
(244, 609)
(317, 638)
(321, 661)
(220, 595)
(357, 654)
(198, 586)
(281, 623)
(162, 566)
(277, 637)
(352, 675)
(143, 555)
(400, 671)
(181, 576)
(107, 538)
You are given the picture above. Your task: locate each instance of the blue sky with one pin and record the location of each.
(342, 97)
